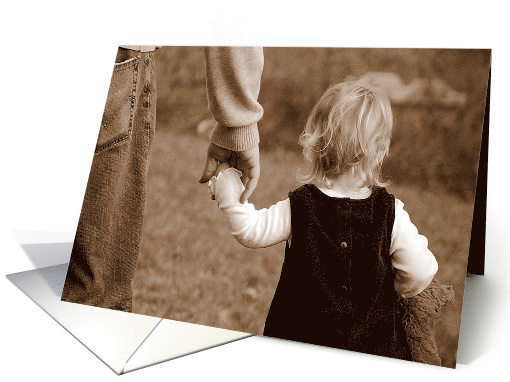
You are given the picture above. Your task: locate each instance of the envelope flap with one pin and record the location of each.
(172, 339)
(111, 335)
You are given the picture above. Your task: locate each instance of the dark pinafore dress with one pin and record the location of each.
(336, 287)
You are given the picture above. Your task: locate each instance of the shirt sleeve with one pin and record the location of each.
(414, 263)
(233, 84)
(252, 228)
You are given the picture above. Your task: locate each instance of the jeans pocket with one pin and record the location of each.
(117, 122)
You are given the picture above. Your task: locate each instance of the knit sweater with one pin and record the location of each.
(233, 84)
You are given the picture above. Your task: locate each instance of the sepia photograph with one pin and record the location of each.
(319, 195)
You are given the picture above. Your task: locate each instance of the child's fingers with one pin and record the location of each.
(222, 166)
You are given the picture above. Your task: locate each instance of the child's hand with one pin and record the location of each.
(226, 185)
(221, 167)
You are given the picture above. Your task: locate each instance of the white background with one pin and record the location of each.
(55, 67)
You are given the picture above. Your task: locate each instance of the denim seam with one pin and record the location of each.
(148, 84)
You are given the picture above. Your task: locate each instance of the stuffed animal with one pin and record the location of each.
(420, 315)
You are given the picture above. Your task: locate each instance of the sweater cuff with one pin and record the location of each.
(235, 138)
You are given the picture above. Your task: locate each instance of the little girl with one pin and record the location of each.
(351, 247)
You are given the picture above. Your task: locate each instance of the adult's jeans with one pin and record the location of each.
(107, 242)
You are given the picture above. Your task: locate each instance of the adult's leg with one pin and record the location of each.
(106, 246)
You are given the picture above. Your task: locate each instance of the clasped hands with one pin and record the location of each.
(248, 162)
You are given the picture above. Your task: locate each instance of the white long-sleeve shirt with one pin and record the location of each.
(414, 264)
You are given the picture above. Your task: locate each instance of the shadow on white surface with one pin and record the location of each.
(477, 309)
(45, 248)
(48, 254)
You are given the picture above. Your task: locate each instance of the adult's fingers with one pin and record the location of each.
(251, 184)
(250, 187)
(250, 167)
(210, 168)
(244, 178)
(215, 154)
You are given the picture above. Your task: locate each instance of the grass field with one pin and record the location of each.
(191, 269)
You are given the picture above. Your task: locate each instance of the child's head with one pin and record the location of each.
(348, 130)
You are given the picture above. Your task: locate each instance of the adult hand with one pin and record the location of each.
(248, 162)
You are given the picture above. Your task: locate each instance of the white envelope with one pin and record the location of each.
(123, 341)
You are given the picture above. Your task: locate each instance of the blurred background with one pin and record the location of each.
(191, 269)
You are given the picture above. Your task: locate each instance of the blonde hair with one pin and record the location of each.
(349, 129)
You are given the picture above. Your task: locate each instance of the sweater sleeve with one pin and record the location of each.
(252, 228)
(233, 84)
(414, 264)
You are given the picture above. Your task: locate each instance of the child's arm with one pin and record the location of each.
(414, 264)
(252, 228)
